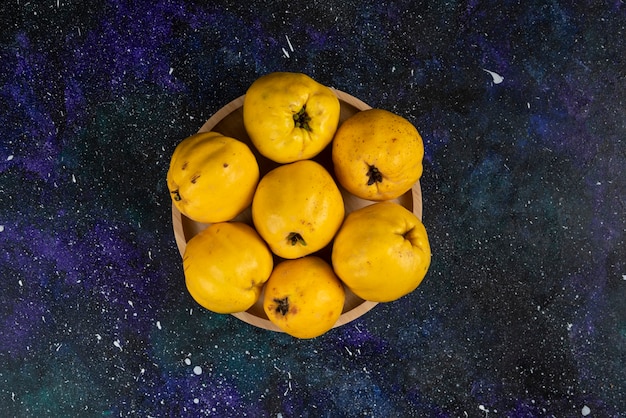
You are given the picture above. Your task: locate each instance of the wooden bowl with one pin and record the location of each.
(229, 121)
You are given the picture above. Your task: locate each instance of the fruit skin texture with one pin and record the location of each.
(271, 106)
(297, 208)
(304, 297)
(377, 155)
(381, 252)
(212, 177)
(226, 266)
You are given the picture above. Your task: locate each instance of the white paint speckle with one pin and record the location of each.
(73, 178)
(117, 344)
(196, 401)
(288, 388)
(188, 361)
(197, 370)
(171, 71)
(289, 43)
(1, 228)
(585, 411)
(285, 53)
(623, 276)
(158, 324)
(497, 78)
(485, 410)
(10, 157)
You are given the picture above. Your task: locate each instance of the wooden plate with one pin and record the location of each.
(229, 121)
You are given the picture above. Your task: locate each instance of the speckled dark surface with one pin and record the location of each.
(523, 311)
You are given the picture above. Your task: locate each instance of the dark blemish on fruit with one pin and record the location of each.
(282, 305)
(301, 119)
(294, 238)
(374, 175)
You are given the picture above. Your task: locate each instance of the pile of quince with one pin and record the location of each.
(379, 251)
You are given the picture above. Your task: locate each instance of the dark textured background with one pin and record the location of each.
(523, 311)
